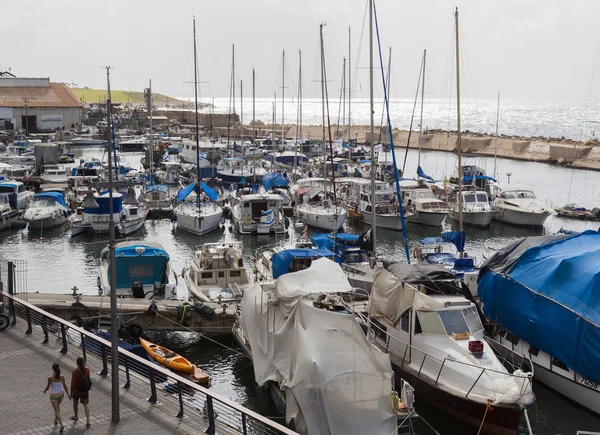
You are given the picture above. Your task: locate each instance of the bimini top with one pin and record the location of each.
(283, 260)
(546, 290)
(138, 261)
(58, 197)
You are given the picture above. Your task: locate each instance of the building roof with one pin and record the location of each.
(55, 95)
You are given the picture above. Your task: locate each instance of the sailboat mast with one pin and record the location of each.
(328, 120)
(349, 93)
(282, 97)
(151, 144)
(324, 171)
(242, 121)
(422, 99)
(458, 137)
(372, 128)
(496, 148)
(231, 92)
(197, 120)
(254, 122)
(343, 101)
(299, 129)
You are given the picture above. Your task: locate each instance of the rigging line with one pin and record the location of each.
(591, 83)
(360, 41)
(337, 127)
(413, 115)
(466, 57)
(389, 122)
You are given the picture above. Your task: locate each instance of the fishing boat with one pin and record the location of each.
(157, 199)
(143, 271)
(17, 188)
(9, 214)
(436, 342)
(258, 213)
(167, 358)
(573, 211)
(216, 272)
(541, 292)
(47, 210)
(517, 204)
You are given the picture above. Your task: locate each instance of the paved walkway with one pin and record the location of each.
(25, 364)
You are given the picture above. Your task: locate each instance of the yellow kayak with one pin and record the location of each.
(167, 357)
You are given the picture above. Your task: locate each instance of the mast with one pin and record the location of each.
(422, 99)
(342, 104)
(254, 123)
(458, 137)
(151, 144)
(372, 125)
(282, 97)
(242, 121)
(274, 107)
(387, 80)
(299, 127)
(349, 93)
(233, 81)
(496, 148)
(197, 121)
(328, 121)
(231, 94)
(324, 171)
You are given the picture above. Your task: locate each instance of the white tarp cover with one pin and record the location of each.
(390, 297)
(335, 382)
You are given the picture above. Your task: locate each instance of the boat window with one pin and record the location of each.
(469, 198)
(431, 323)
(508, 195)
(405, 321)
(235, 273)
(418, 329)
(133, 211)
(472, 318)
(482, 197)
(380, 330)
(454, 322)
(512, 338)
(559, 364)
(533, 350)
(207, 275)
(221, 274)
(21, 188)
(6, 189)
(525, 194)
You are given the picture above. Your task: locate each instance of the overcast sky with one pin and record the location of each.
(543, 49)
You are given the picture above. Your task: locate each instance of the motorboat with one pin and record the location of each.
(323, 214)
(210, 151)
(298, 329)
(273, 262)
(422, 206)
(199, 214)
(143, 271)
(9, 213)
(287, 158)
(258, 213)
(47, 210)
(233, 170)
(86, 141)
(541, 294)
(13, 172)
(216, 272)
(17, 188)
(386, 208)
(157, 199)
(80, 185)
(476, 208)
(436, 342)
(518, 205)
(54, 174)
(573, 211)
(168, 172)
(132, 145)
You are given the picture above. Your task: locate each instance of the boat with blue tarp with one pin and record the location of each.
(48, 210)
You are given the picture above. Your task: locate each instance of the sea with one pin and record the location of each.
(52, 261)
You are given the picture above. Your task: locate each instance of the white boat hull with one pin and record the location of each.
(198, 226)
(520, 217)
(390, 222)
(473, 218)
(129, 226)
(318, 218)
(433, 219)
(41, 223)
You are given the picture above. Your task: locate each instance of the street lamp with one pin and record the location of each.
(26, 120)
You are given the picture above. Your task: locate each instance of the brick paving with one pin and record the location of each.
(25, 364)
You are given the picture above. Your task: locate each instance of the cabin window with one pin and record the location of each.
(133, 211)
(221, 274)
(193, 148)
(512, 338)
(431, 322)
(21, 188)
(380, 330)
(235, 273)
(207, 275)
(559, 364)
(482, 197)
(418, 329)
(140, 271)
(454, 322)
(469, 198)
(193, 275)
(405, 321)
(533, 350)
(187, 147)
(473, 320)
(507, 195)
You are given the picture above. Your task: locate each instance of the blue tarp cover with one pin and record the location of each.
(329, 241)
(282, 260)
(422, 173)
(457, 238)
(546, 290)
(103, 202)
(273, 179)
(11, 185)
(59, 197)
(469, 178)
(148, 268)
(185, 192)
(210, 192)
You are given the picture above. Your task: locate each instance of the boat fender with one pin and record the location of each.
(76, 320)
(135, 330)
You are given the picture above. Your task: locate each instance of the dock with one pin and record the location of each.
(92, 310)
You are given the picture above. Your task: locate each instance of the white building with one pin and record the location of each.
(36, 105)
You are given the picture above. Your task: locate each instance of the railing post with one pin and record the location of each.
(104, 371)
(440, 372)
(244, 428)
(422, 362)
(152, 398)
(404, 356)
(11, 291)
(63, 332)
(28, 315)
(474, 383)
(180, 413)
(127, 380)
(211, 416)
(83, 347)
(45, 329)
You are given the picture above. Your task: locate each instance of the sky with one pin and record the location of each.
(531, 49)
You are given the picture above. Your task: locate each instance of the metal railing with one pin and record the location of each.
(202, 407)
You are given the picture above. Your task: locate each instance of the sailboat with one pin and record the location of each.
(323, 213)
(200, 216)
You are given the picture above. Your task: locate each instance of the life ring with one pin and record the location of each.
(135, 330)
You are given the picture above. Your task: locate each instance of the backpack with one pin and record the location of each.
(85, 383)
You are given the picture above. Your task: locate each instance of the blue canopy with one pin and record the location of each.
(282, 260)
(457, 238)
(58, 197)
(330, 241)
(6, 184)
(103, 202)
(185, 192)
(546, 290)
(273, 179)
(210, 192)
(469, 178)
(422, 173)
(139, 262)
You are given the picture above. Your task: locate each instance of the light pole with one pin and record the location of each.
(26, 119)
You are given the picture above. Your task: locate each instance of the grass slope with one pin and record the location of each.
(99, 96)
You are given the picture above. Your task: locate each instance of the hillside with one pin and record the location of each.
(99, 95)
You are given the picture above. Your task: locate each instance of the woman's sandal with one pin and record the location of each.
(74, 418)
(87, 426)
(61, 429)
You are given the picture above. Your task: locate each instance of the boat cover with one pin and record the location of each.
(546, 290)
(457, 238)
(144, 262)
(58, 197)
(273, 179)
(334, 381)
(162, 187)
(103, 203)
(282, 260)
(421, 173)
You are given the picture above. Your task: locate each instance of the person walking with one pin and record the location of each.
(58, 388)
(81, 385)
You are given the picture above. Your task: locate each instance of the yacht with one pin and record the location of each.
(436, 342)
(476, 208)
(422, 206)
(86, 141)
(258, 213)
(518, 205)
(233, 170)
(143, 271)
(54, 174)
(216, 272)
(9, 213)
(17, 188)
(207, 150)
(47, 210)
(133, 145)
(386, 209)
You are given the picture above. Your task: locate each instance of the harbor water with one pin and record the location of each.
(55, 263)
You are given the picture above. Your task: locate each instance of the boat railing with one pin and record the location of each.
(432, 372)
(516, 361)
(178, 394)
